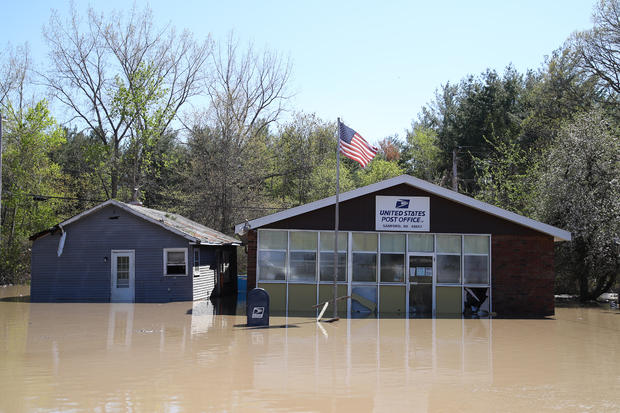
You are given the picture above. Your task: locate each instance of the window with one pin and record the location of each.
(364, 257)
(475, 259)
(421, 243)
(393, 258)
(327, 256)
(302, 256)
(196, 262)
(448, 259)
(175, 261)
(272, 247)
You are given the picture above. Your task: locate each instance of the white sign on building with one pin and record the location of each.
(402, 213)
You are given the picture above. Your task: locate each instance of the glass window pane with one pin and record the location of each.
(475, 244)
(421, 243)
(271, 265)
(363, 300)
(327, 266)
(421, 269)
(449, 269)
(449, 243)
(327, 241)
(364, 242)
(364, 267)
(272, 240)
(476, 269)
(176, 258)
(303, 240)
(303, 266)
(392, 242)
(175, 269)
(392, 268)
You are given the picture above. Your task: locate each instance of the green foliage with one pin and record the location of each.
(472, 113)
(422, 155)
(29, 136)
(323, 180)
(579, 191)
(378, 170)
(302, 146)
(508, 177)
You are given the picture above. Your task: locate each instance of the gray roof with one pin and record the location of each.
(206, 235)
(178, 224)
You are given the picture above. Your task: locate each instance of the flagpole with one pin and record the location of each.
(336, 224)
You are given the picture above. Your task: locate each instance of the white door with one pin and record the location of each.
(123, 276)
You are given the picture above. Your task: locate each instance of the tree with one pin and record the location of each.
(579, 191)
(230, 144)
(598, 49)
(110, 71)
(422, 155)
(377, 171)
(508, 177)
(489, 106)
(303, 144)
(29, 135)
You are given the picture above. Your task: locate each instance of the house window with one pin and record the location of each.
(175, 261)
(196, 262)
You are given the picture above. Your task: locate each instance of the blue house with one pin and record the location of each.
(128, 253)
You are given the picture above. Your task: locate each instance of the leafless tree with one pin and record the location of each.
(599, 48)
(15, 71)
(230, 143)
(97, 70)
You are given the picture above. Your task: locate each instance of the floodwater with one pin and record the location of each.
(180, 357)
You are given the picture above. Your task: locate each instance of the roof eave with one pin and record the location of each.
(557, 233)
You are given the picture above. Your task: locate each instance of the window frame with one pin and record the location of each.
(290, 250)
(166, 251)
(258, 251)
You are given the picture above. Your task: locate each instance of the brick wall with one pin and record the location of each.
(523, 275)
(252, 248)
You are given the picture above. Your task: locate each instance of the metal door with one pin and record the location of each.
(420, 284)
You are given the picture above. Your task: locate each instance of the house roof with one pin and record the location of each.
(175, 223)
(557, 233)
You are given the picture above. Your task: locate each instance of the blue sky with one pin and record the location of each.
(375, 64)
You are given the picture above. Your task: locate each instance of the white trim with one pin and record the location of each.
(166, 251)
(557, 233)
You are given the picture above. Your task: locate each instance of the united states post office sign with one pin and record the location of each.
(403, 213)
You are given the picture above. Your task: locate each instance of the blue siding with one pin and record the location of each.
(82, 274)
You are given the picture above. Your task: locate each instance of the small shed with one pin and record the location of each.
(123, 252)
(405, 246)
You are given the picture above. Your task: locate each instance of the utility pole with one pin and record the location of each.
(455, 181)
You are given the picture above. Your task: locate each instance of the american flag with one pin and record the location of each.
(353, 146)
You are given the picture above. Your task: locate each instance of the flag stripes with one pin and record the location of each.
(353, 146)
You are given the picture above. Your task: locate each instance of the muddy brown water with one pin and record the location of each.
(181, 357)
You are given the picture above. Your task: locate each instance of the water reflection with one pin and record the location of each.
(188, 357)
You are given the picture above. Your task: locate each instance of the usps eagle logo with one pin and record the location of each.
(402, 203)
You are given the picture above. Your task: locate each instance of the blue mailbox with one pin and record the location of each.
(258, 307)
